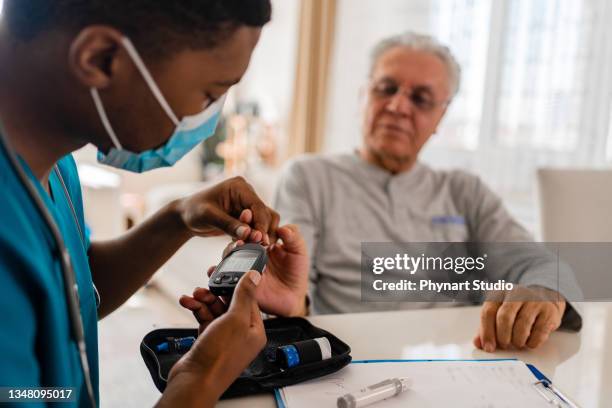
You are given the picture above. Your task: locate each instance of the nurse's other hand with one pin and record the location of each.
(218, 210)
(227, 346)
(520, 318)
(282, 290)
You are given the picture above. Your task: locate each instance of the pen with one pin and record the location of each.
(563, 399)
(374, 393)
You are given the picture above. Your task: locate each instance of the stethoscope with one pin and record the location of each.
(70, 284)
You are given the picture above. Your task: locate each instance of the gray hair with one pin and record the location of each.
(420, 42)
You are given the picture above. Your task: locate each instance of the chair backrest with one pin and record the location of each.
(575, 205)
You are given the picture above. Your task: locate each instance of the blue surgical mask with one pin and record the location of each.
(189, 132)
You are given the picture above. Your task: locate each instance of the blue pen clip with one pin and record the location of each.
(553, 395)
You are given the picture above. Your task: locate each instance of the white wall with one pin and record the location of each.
(360, 24)
(269, 79)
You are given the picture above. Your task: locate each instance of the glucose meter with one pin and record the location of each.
(236, 263)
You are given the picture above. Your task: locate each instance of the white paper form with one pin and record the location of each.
(461, 384)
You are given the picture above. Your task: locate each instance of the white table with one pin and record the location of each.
(579, 364)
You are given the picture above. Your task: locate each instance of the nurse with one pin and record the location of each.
(144, 81)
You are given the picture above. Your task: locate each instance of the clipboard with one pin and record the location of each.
(542, 384)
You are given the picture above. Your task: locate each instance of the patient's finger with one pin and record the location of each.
(488, 316)
(504, 323)
(543, 326)
(524, 323)
(477, 342)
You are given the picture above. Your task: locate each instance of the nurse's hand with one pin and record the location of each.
(283, 287)
(217, 211)
(220, 353)
(520, 318)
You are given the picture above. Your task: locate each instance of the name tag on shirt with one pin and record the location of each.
(448, 219)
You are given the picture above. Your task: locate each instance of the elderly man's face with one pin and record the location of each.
(407, 96)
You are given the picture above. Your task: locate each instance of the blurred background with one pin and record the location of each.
(536, 92)
(536, 95)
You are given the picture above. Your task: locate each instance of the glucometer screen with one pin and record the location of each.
(240, 261)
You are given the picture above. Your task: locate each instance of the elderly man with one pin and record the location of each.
(382, 193)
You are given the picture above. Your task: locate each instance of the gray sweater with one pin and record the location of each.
(340, 201)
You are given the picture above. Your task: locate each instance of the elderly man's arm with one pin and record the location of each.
(524, 317)
(297, 204)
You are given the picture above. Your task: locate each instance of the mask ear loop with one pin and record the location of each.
(131, 50)
(102, 113)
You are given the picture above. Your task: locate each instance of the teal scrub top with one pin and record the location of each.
(36, 344)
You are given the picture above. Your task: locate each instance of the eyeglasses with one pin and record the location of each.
(421, 97)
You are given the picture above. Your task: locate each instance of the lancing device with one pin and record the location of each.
(303, 352)
(374, 393)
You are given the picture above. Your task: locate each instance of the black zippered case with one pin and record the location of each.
(264, 374)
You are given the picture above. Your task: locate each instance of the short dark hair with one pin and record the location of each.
(151, 24)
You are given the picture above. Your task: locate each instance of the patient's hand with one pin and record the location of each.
(285, 281)
(282, 290)
(520, 318)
